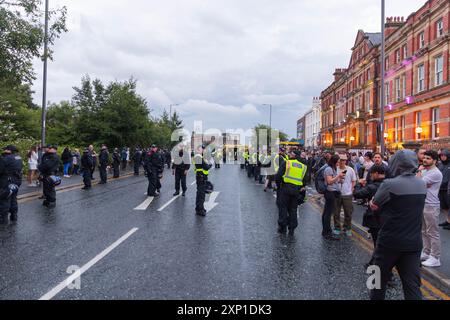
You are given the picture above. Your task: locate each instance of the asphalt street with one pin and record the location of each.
(164, 251)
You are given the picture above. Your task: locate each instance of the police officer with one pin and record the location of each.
(47, 168)
(13, 169)
(86, 164)
(116, 163)
(103, 160)
(246, 159)
(137, 161)
(180, 170)
(218, 159)
(290, 175)
(201, 176)
(153, 165)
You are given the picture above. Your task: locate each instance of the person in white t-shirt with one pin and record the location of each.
(430, 230)
(346, 187)
(32, 167)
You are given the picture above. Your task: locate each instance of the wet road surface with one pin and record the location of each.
(233, 253)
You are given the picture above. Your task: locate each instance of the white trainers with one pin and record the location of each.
(432, 262)
(424, 257)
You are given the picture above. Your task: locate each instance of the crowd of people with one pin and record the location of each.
(404, 193)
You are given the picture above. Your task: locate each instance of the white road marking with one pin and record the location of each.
(144, 205)
(168, 203)
(52, 293)
(193, 183)
(211, 204)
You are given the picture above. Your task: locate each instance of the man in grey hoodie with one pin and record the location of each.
(402, 200)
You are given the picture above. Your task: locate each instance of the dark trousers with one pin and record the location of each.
(87, 179)
(4, 209)
(257, 172)
(116, 169)
(201, 192)
(408, 267)
(49, 191)
(152, 184)
(180, 178)
(136, 168)
(92, 172)
(328, 210)
(13, 206)
(124, 164)
(288, 207)
(103, 173)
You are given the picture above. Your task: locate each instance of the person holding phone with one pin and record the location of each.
(346, 188)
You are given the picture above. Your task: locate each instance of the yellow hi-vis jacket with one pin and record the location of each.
(198, 162)
(295, 172)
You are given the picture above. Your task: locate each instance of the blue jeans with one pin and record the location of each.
(66, 168)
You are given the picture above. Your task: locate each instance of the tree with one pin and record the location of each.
(22, 38)
(61, 124)
(282, 136)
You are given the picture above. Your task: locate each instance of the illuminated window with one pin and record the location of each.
(419, 125)
(435, 123)
(403, 125)
(396, 130)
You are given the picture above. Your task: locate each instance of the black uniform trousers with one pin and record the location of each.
(288, 202)
(180, 178)
(49, 191)
(116, 170)
(152, 183)
(4, 209)
(408, 267)
(13, 206)
(103, 173)
(201, 192)
(87, 178)
(136, 168)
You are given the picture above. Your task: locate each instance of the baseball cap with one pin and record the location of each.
(11, 148)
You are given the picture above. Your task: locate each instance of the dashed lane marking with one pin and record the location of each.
(168, 203)
(52, 293)
(144, 205)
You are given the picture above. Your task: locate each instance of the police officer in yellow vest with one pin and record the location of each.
(290, 177)
(201, 168)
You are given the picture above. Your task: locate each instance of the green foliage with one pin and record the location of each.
(282, 136)
(113, 114)
(22, 37)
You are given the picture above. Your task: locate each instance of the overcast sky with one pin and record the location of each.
(220, 60)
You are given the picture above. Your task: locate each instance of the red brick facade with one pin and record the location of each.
(417, 85)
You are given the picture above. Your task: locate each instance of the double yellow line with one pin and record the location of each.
(429, 291)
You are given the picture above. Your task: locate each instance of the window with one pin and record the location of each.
(439, 70)
(440, 28)
(368, 75)
(387, 94)
(404, 86)
(435, 123)
(396, 130)
(397, 56)
(421, 40)
(405, 51)
(398, 91)
(386, 63)
(421, 78)
(419, 125)
(403, 126)
(367, 135)
(367, 101)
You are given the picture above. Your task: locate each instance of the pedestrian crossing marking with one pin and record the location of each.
(144, 205)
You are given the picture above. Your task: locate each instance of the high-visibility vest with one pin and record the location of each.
(276, 161)
(246, 156)
(295, 172)
(198, 159)
(254, 158)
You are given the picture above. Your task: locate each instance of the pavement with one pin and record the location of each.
(113, 242)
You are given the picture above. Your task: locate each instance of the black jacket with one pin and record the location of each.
(87, 163)
(203, 165)
(116, 158)
(371, 219)
(49, 164)
(444, 167)
(153, 162)
(103, 158)
(66, 156)
(12, 169)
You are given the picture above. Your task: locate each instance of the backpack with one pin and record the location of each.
(319, 182)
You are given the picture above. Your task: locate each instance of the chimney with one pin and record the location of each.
(392, 24)
(338, 73)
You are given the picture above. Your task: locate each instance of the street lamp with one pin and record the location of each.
(44, 87)
(383, 71)
(170, 109)
(270, 119)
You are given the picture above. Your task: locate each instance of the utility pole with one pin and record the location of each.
(44, 89)
(383, 72)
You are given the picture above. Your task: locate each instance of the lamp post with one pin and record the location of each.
(383, 71)
(44, 87)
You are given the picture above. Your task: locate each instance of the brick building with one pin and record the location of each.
(417, 85)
